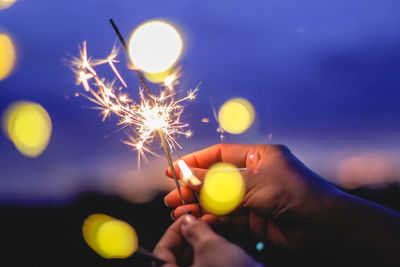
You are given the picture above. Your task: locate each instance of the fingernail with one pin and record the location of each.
(165, 202)
(184, 179)
(194, 180)
(188, 219)
(172, 216)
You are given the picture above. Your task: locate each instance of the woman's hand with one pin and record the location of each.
(289, 205)
(283, 197)
(189, 241)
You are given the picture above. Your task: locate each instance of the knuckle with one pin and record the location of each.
(216, 146)
(219, 147)
(206, 243)
(195, 228)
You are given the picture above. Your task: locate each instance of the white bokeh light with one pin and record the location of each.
(155, 46)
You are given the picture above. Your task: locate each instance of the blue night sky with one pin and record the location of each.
(323, 76)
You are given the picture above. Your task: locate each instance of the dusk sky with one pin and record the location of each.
(323, 77)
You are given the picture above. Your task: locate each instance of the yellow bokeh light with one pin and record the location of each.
(7, 55)
(109, 237)
(236, 115)
(158, 77)
(223, 189)
(117, 238)
(90, 228)
(155, 46)
(28, 126)
(6, 3)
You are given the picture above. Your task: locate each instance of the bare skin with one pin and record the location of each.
(289, 205)
(189, 241)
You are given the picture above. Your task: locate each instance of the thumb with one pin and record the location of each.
(194, 231)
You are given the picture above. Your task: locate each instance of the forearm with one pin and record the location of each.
(362, 232)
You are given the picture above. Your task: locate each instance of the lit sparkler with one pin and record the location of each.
(146, 117)
(151, 116)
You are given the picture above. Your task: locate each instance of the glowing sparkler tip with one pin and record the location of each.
(139, 145)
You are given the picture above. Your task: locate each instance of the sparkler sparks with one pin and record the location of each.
(220, 130)
(146, 117)
(141, 148)
(150, 116)
(172, 79)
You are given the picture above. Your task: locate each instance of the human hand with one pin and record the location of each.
(294, 208)
(189, 241)
(283, 198)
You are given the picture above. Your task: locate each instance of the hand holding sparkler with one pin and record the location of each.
(272, 175)
(289, 205)
(190, 242)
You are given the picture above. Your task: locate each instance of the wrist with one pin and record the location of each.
(358, 230)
